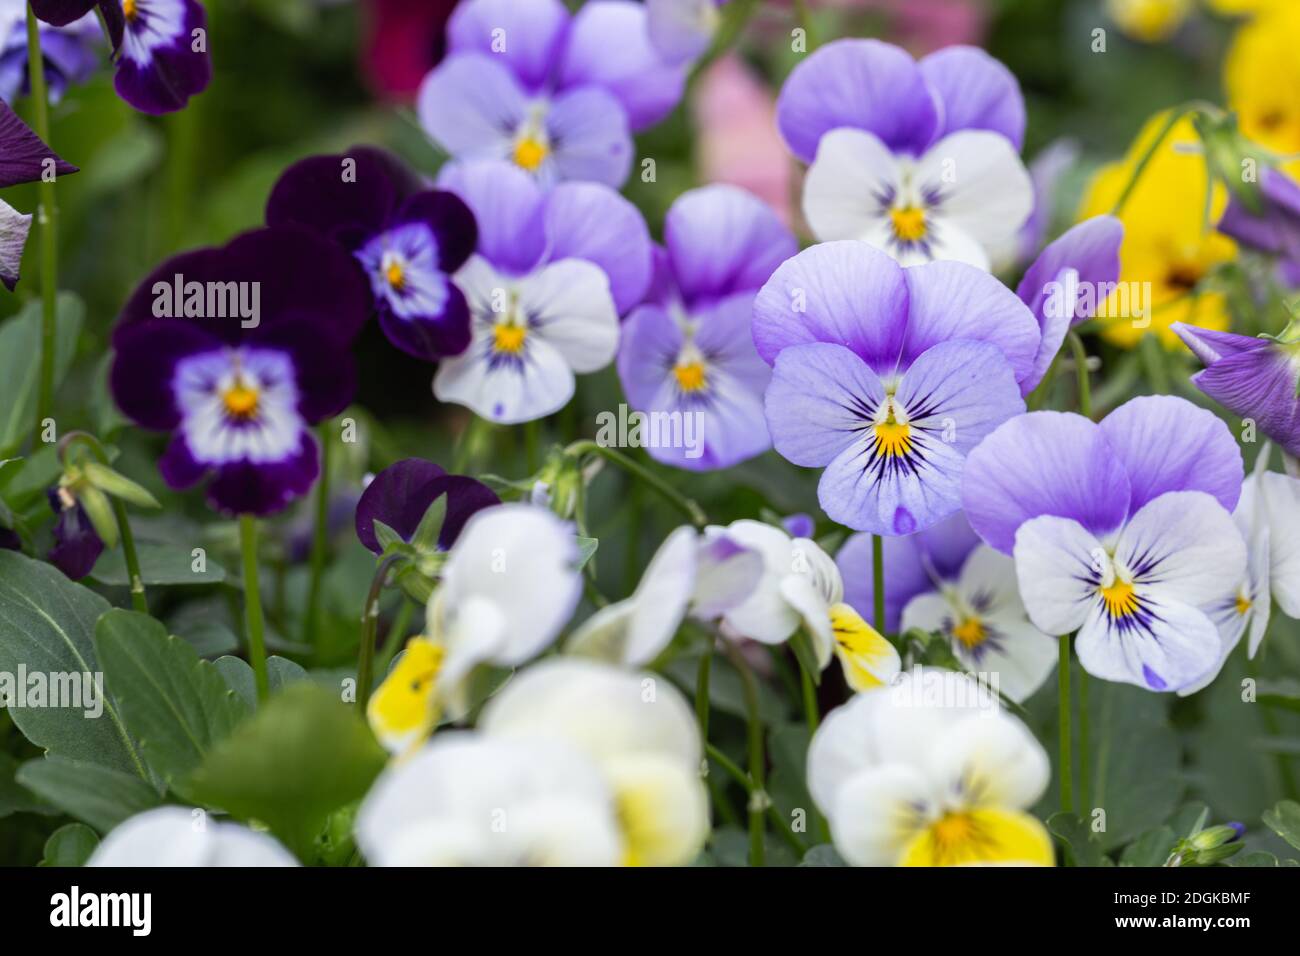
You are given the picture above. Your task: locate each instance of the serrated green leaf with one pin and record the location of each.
(174, 703)
(70, 845)
(95, 795)
(304, 755)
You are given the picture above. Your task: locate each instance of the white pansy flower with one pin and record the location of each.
(177, 836)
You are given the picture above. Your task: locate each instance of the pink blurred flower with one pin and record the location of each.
(404, 41)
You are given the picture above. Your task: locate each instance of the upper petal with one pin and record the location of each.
(471, 105)
(593, 222)
(526, 37)
(977, 92)
(508, 208)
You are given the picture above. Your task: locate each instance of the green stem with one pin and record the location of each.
(1063, 712)
(1085, 771)
(1081, 373)
(254, 622)
(812, 715)
(48, 217)
(1040, 394)
(319, 541)
(369, 623)
(758, 798)
(878, 581)
(532, 441)
(702, 692)
(396, 638)
(1167, 128)
(1153, 361)
(742, 778)
(694, 513)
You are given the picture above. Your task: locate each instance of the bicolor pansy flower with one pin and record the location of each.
(1121, 531)
(646, 746)
(701, 575)
(556, 95)
(552, 274)
(161, 47)
(168, 836)
(801, 587)
(23, 159)
(469, 799)
(70, 54)
(919, 159)
(239, 394)
(408, 240)
(1255, 378)
(887, 377)
(980, 612)
(930, 773)
(689, 351)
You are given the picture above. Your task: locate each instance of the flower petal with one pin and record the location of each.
(588, 130)
(977, 92)
(820, 402)
(1056, 565)
(878, 812)
(508, 208)
(845, 189)
(471, 106)
(593, 222)
(526, 37)
(1174, 647)
(990, 760)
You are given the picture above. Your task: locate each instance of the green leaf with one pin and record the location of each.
(100, 512)
(1085, 848)
(46, 623)
(118, 485)
(95, 795)
(1284, 820)
(239, 676)
(208, 638)
(387, 537)
(160, 564)
(304, 755)
(15, 798)
(822, 855)
(1283, 692)
(70, 845)
(20, 346)
(586, 551)
(425, 537)
(174, 703)
(1150, 849)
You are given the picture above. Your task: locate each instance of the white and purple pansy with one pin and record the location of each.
(557, 95)
(161, 47)
(239, 395)
(551, 276)
(689, 351)
(920, 159)
(887, 377)
(1121, 531)
(70, 54)
(407, 239)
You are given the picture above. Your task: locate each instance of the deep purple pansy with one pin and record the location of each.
(1255, 378)
(688, 353)
(237, 351)
(1276, 229)
(408, 241)
(400, 495)
(557, 94)
(161, 47)
(69, 53)
(76, 544)
(887, 377)
(1121, 530)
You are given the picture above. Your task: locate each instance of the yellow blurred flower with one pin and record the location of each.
(1243, 7)
(1149, 20)
(1262, 77)
(1167, 247)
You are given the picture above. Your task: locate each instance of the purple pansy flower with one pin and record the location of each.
(408, 241)
(552, 274)
(558, 95)
(23, 158)
(238, 395)
(887, 377)
(400, 495)
(1255, 378)
(161, 47)
(70, 53)
(914, 564)
(1276, 230)
(919, 159)
(1068, 281)
(77, 546)
(689, 351)
(1121, 530)
(681, 30)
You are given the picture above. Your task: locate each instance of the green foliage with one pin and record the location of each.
(98, 796)
(70, 845)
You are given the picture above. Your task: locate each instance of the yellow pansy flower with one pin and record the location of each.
(1262, 78)
(1244, 7)
(1168, 248)
(406, 708)
(1149, 20)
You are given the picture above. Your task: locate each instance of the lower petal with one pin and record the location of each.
(1167, 647)
(508, 391)
(877, 813)
(264, 488)
(869, 661)
(981, 837)
(589, 134)
(1057, 563)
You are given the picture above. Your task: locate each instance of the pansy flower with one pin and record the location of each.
(161, 46)
(400, 495)
(930, 773)
(1275, 230)
(919, 159)
(1256, 378)
(407, 240)
(1150, 21)
(552, 274)
(77, 546)
(689, 352)
(1121, 530)
(647, 748)
(557, 95)
(887, 377)
(236, 352)
(1261, 76)
(168, 836)
(681, 30)
(69, 54)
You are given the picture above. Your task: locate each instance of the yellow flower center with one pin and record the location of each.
(690, 376)
(508, 337)
(970, 632)
(1119, 599)
(128, 9)
(395, 276)
(893, 438)
(240, 400)
(1243, 604)
(909, 223)
(530, 152)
